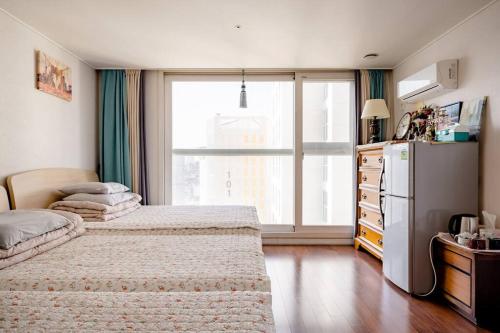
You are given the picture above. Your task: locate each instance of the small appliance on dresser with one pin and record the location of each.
(425, 184)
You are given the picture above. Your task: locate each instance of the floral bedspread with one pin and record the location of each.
(30, 311)
(144, 263)
(158, 218)
(170, 231)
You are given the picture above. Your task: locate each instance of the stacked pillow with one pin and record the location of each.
(96, 201)
(26, 233)
(94, 188)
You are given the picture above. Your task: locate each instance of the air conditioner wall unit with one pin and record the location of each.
(434, 80)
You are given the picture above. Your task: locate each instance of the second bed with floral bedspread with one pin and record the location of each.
(182, 220)
(144, 263)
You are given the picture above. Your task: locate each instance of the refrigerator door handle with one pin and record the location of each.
(380, 196)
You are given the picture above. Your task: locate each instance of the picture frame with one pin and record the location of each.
(53, 77)
(471, 116)
(449, 115)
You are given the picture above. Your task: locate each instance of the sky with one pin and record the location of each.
(194, 103)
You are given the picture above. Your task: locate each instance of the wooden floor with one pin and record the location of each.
(337, 289)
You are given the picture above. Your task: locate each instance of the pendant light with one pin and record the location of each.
(243, 93)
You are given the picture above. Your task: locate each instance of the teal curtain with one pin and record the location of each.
(377, 92)
(113, 128)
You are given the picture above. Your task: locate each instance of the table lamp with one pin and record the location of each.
(375, 109)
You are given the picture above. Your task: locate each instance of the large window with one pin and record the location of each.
(327, 145)
(224, 155)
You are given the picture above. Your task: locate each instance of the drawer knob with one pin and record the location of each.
(364, 160)
(364, 178)
(364, 196)
(380, 242)
(379, 221)
(363, 214)
(380, 159)
(363, 232)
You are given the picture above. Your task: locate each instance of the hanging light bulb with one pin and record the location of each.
(243, 93)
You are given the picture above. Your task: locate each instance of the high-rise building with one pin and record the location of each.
(246, 180)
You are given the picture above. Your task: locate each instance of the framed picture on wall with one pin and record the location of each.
(53, 77)
(449, 115)
(471, 116)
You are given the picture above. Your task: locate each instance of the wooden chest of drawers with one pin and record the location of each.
(369, 219)
(468, 281)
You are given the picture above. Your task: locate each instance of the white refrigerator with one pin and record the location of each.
(424, 184)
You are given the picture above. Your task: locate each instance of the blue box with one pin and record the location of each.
(451, 136)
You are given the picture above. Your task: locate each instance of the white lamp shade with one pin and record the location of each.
(375, 108)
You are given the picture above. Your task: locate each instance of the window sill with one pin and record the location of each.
(340, 235)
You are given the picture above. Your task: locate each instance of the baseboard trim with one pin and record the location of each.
(307, 241)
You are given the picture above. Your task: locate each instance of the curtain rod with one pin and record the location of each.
(238, 70)
(249, 71)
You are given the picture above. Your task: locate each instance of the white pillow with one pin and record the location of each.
(18, 226)
(105, 199)
(94, 188)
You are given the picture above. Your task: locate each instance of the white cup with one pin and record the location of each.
(463, 238)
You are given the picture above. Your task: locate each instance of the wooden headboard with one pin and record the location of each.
(39, 188)
(4, 200)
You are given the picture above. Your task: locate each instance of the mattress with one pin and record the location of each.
(182, 220)
(147, 312)
(144, 263)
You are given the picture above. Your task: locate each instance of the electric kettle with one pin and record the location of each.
(456, 223)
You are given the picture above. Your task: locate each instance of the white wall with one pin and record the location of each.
(38, 130)
(476, 43)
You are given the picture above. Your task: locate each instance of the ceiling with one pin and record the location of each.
(273, 33)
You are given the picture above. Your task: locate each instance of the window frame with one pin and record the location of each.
(299, 149)
(319, 149)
